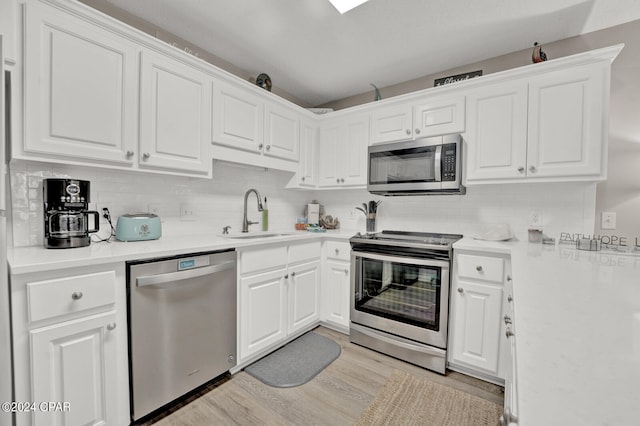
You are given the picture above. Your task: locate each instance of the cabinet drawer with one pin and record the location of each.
(340, 250)
(304, 252)
(52, 298)
(263, 258)
(481, 267)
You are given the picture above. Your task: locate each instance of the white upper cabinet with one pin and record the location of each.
(237, 118)
(281, 132)
(253, 129)
(496, 131)
(307, 175)
(80, 90)
(343, 152)
(175, 115)
(411, 120)
(567, 122)
(550, 126)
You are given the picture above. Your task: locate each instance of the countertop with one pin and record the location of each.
(577, 327)
(24, 260)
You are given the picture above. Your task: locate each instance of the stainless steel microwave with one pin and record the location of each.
(425, 166)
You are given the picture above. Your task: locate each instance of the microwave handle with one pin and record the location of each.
(438, 164)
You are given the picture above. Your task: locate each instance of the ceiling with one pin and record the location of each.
(312, 52)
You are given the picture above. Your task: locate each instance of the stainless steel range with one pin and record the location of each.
(400, 295)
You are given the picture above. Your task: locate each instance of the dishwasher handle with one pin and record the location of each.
(183, 275)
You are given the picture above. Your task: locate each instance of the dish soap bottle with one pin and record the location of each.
(265, 216)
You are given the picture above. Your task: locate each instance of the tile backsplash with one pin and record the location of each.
(218, 202)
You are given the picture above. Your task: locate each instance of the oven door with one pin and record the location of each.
(404, 296)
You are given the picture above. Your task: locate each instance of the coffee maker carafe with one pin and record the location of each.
(66, 218)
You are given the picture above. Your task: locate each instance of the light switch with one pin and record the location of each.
(608, 220)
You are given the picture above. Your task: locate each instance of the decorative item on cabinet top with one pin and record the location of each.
(455, 78)
(378, 97)
(264, 81)
(538, 55)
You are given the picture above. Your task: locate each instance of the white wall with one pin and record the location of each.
(566, 207)
(219, 202)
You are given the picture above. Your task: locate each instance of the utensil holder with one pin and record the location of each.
(371, 223)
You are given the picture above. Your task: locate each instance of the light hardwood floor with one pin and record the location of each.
(336, 396)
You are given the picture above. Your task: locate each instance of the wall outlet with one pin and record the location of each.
(535, 219)
(155, 209)
(187, 212)
(608, 220)
(100, 206)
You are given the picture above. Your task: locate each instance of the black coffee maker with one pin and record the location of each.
(66, 218)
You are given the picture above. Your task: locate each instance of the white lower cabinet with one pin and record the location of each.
(279, 294)
(336, 285)
(73, 364)
(70, 346)
(476, 334)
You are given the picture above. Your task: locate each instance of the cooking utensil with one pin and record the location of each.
(362, 210)
(366, 208)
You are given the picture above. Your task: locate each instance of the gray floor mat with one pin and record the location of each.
(297, 362)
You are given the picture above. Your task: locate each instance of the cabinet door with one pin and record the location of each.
(566, 110)
(391, 124)
(237, 118)
(175, 115)
(80, 89)
(308, 170)
(439, 117)
(282, 133)
(496, 137)
(304, 295)
(328, 151)
(75, 362)
(262, 311)
(336, 291)
(475, 325)
(352, 153)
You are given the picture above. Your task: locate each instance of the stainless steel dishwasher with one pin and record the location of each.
(182, 326)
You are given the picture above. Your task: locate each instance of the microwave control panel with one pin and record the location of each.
(449, 162)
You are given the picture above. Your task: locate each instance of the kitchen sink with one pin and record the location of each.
(251, 235)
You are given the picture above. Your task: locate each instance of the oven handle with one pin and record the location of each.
(406, 260)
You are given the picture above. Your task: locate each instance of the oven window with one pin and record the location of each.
(403, 166)
(403, 292)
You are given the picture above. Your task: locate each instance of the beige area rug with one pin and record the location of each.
(409, 400)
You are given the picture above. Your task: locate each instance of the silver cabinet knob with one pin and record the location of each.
(509, 333)
(146, 155)
(460, 290)
(532, 169)
(346, 271)
(337, 251)
(338, 180)
(342, 180)
(507, 320)
(111, 326)
(417, 131)
(260, 146)
(77, 295)
(479, 268)
(293, 274)
(408, 132)
(521, 169)
(509, 278)
(303, 178)
(130, 154)
(268, 147)
(509, 298)
(286, 277)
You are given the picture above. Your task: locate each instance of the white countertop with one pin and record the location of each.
(24, 260)
(577, 326)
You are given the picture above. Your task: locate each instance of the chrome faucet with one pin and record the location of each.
(245, 221)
